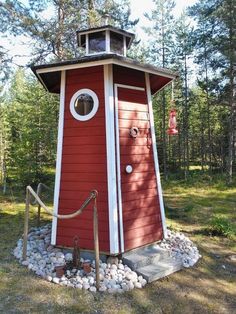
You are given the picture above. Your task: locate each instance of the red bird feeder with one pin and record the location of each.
(172, 130)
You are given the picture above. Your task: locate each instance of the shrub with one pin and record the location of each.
(221, 226)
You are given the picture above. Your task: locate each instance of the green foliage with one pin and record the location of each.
(221, 226)
(30, 123)
(54, 37)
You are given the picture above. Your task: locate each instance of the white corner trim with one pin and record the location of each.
(92, 113)
(118, 171)
(160, 195)
(59, 156)
(111, 160)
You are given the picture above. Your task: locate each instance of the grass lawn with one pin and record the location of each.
(209, 287)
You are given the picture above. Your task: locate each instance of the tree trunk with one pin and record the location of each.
(232, 101)
(185, 121)
(164, 103)
(208, 111)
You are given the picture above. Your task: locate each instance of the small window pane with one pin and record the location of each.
(84, 104)
(97, 42)
(117, 44)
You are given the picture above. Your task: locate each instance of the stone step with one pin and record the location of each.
(159, 269)
(144, 256)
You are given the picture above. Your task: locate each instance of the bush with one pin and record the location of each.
(221, 226)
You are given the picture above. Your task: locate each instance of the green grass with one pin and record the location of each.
(209, 287)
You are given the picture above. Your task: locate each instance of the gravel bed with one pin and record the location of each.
(42, 258)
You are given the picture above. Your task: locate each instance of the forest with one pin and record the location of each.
(200, 45)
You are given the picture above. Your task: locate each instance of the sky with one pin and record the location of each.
(138, 9)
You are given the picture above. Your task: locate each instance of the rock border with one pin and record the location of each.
(43, 258)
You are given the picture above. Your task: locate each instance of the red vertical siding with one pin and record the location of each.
(83, 164)
(140, 204)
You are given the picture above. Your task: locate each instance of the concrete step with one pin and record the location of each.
(159, 269)
(144, 256)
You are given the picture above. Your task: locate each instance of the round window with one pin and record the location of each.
(84, 104)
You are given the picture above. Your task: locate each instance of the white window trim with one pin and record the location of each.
(92, 112)
(154, 146)
(119, 192)
(111, 160)
(59, 157)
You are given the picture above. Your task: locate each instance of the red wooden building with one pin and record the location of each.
(106, 141)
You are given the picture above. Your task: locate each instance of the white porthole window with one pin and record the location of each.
(84, 104)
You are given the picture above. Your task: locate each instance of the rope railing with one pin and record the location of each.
(93, 196)
(39, 193)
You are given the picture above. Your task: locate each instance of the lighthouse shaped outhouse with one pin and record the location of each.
(106, 142)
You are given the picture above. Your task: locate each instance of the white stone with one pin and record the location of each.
(86, 286)
(60, 255)
(113, 267)
(130, 285)
(85, 280)
(113, 272)
(128, 275)
(102, 288)
(69, 257)
(56, 280)
(42, 263)
(138, 285)
(93, 289)
(143, 282)
(121, 266)
(91, 280)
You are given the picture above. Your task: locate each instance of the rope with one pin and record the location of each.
(93, 195)
(39, 192)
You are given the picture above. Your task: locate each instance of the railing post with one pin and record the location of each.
(26, 224)
(39, 206)
(96, 242)
(38, 216)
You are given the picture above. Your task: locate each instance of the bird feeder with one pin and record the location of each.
(172, 130)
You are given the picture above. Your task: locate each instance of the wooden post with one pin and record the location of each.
(26, 224)
(96, 242)
(38, 217)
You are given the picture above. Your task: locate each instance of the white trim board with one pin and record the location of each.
(111, 160)
(116, 86)
(118, 171)
(129, 65)
(151, 117)
(59, 156)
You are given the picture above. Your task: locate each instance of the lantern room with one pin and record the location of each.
(106, 39)
(106, 142)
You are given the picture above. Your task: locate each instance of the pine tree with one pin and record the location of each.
(220, 27)
(182, 53)
(30, 126)
(55, 37)
(160, 53)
